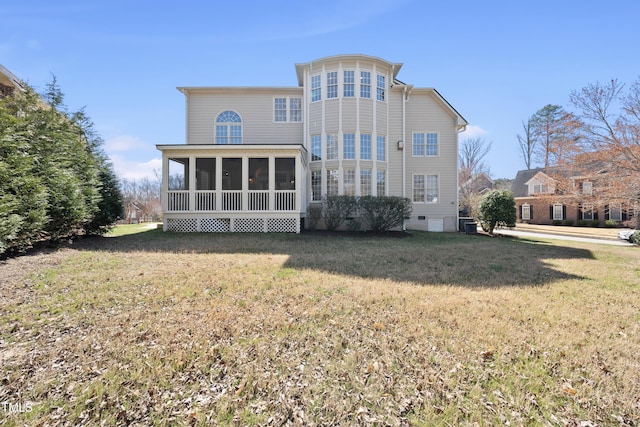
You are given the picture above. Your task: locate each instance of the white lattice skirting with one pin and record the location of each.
(238, 225)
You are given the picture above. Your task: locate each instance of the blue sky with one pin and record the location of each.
(496, 62)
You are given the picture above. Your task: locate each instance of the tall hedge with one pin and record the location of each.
(52, 174)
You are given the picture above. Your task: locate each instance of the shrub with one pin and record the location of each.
(557, 222)
(314, 213)
(384, 212)
(635, 238)
(568, 222)
(582, 223)
(353, 224)
(336, 209)
(497, 208)
(594, 223)
(611, 223)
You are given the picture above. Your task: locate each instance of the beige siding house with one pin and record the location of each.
(256, 158)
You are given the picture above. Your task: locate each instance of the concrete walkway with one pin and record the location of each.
(606, 236)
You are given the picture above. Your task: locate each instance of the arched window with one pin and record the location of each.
(228, 128)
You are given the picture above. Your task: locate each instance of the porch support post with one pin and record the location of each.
(165, 189)
(272, 183)
(192, 183)
(245, 184)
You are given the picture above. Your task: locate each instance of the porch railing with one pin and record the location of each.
(208, 201)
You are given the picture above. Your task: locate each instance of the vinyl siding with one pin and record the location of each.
(254, 107)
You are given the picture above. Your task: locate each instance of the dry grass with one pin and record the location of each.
(436, 329)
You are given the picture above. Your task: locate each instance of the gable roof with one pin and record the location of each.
(7, 78)
(519, 186)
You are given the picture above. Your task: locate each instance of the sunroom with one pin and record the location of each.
(233, 188)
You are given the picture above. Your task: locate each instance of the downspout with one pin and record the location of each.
(404, 140)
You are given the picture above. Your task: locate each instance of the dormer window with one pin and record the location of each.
(540, 188)
(587, 188)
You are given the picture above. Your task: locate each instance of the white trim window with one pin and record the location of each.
(418, 189)
(433, 189)
(526, 212)
(425, 189)
(332, 182)
(332, 146)
(587, 212)
(332, 84)
(558, 214)
(228, 128)
(587, 188)
(381, 86)
(365, 84)
(615, 212)
(381, 183)
(280, 109)
(349, 146)
(365, 146)
(349, 84)
(316, 148)
(349, 184)
(365, 182)
(380, 148)
(425, 144)
(316, 185)
(295, 110)
(316, 89)
(432, 144)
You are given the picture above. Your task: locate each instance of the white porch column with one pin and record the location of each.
(191, 166)
(165, 188)
(272, 183)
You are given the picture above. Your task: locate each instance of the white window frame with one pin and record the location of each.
(295, 111)
(316, 147)
(349, 83)
(587, 188)
(365, 84)
(381, 148)
(526, 212)
(616, 207)
(316, 185)
(365, 146)
(228, 131)
(558, 212)
(434, 197)
(418, 144)
(332, 146)
(418, 189)
(316, 87)
(333, 179)
(349, 182)
(381, 182)
(429, 144)
(381, 87)
(365, 182)
(332, 84)
(587, 211)
(349, 146)
(280, 109)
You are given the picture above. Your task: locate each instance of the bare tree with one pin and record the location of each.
(611, 124)
(527, 142)
(144, 194)
(471, 167)
(471, 156)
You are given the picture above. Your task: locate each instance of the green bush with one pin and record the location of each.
(582, 223)
(314, 214)
(557, 222)
(384, 212)
(594, 223)
(611, 223)
(336, 209)
(568, 222)
(498, 208)
(635, 238)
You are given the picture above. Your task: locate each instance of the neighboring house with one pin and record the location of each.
(9, 82)
(561, 196)
(256, 158)
(478, 184)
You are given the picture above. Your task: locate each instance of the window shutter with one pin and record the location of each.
(531, 212)
(550, 211)
(564, 212)
(579, 211)
(595, 212)
(624, 213)
(520, 211)
(607, 213)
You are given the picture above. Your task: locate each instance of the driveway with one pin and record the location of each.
(557, 236)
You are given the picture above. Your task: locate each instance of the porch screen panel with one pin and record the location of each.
(205, 174)
(258, 174)
(178, 174)
(286, 173)
(232, 174)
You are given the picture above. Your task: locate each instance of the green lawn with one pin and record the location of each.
(151, 328)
